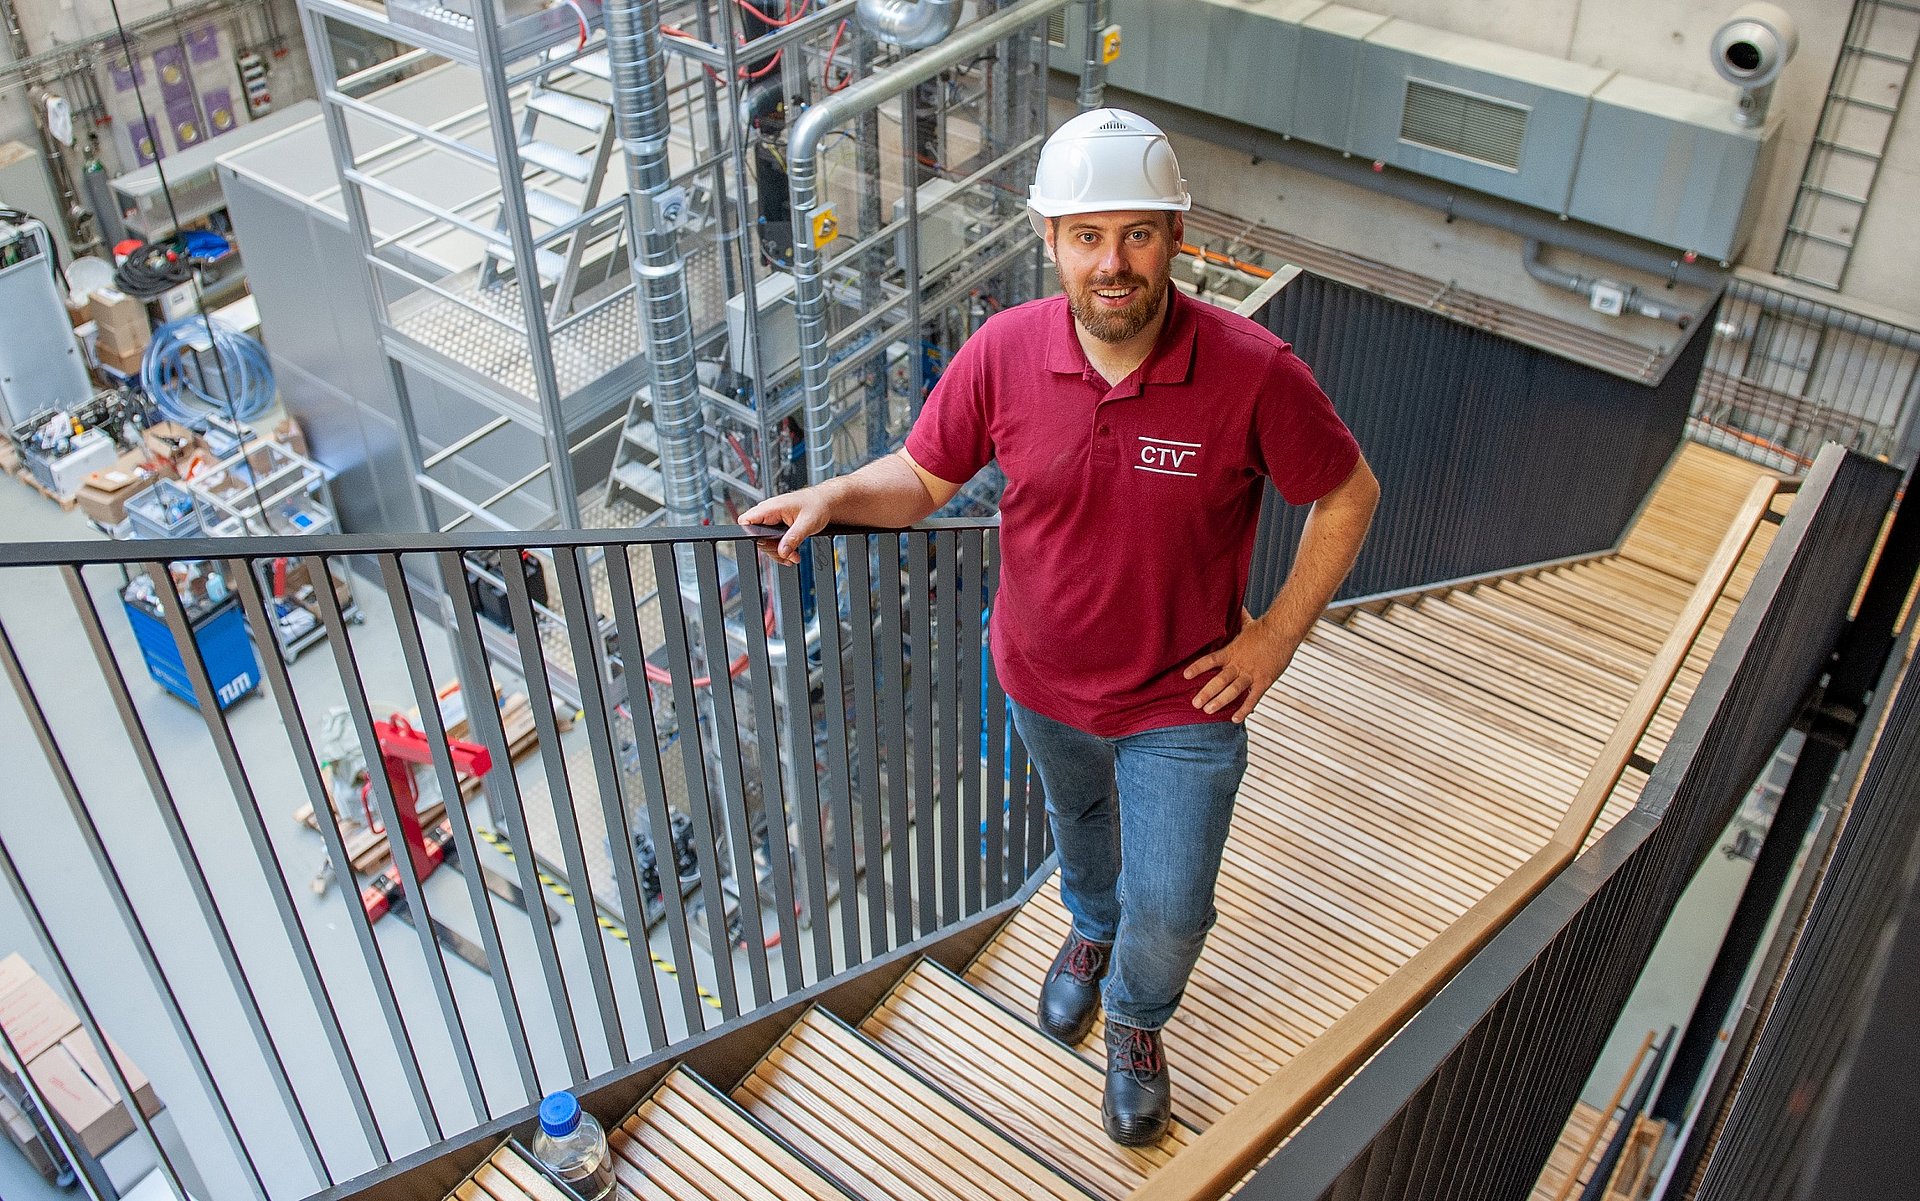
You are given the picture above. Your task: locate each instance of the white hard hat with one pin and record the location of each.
(1105, 161)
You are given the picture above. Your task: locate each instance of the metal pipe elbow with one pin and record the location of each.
(909, 24)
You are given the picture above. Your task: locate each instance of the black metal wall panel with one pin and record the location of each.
(1765, 1148)
(1491, 454)
(1505, 1047)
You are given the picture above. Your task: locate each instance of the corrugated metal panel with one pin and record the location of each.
(1491, 454)
(1473, 126)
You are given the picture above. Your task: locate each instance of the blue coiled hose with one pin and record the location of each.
(188, 383)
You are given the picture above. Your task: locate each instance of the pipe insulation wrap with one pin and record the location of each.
(804, 139)
(909, 24)
(636, 62)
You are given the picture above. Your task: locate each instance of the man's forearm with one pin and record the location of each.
(1329, 544)
(886, 493)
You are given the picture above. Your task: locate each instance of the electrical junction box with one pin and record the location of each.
(943, 226)
(777, 324)
(1608, 299)
(41, 366)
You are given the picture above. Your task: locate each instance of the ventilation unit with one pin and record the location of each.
(1479, 128)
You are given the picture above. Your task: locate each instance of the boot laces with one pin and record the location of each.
(1084, 960)
(1134, 1051)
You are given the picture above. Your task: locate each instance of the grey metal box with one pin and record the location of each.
(1670, 166)
(1325, 73)
(1245, 68)
(777, 326)
(1550, 94)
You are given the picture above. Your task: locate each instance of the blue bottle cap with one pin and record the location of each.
(559, 1114)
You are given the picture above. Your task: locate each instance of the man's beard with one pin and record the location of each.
(1113, 325)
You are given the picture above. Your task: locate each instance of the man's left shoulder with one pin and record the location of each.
(1227, 331)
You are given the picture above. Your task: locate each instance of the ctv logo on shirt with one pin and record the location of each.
(1164, 456)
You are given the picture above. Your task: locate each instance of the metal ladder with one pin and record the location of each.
(636, 460)
(1856, 121)
(558, 258)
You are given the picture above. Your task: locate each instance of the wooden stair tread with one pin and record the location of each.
(687, 1141)
(880, 1131)
(1028, 1086)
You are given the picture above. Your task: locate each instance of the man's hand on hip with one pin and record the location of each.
(1245, 668)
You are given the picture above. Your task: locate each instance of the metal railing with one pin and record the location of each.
(772, 776)
(1469, 1096)
(1786, 373)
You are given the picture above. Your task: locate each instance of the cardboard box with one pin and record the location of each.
(9, 455)
(126, 362)
(104, 495)
(289, 434)
(21, 1130)
(173, 442)
(121, 317)
(63, 1062)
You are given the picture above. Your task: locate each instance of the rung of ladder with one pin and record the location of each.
(548, 157)
(1860, 102)
(594, 64)
(543, 205)
(1823, 239)
(566, 107)
(1830, 194)
(641, 480)
(644, 435)
(546, 262)
(1880, 55)
(1842, 148)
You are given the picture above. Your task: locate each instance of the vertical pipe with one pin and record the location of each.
(637, 70)
(1093, 72)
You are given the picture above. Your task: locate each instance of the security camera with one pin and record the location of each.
(1749, 50)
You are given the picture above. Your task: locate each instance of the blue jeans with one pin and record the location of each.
(1140, 823)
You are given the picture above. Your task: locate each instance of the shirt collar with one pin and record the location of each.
(1169, 362)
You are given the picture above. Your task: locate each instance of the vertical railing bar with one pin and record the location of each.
(686, 714)
(946, 664)
(726, 738)
(503, 789)
(839, 787)
(971, 641)
(767, 744)
(1021, 863)
(413, 651)
(123, 904)
(281, 688)
(801, 755)
(169, 814)
(866, 748)
(923, 668)
(249, 809)
(994, 779)
(646, 745)
(570, 568)
(890, 655)
(586, 910)
(412, 888)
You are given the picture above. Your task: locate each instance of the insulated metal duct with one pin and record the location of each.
(637, 71)
(803, 155)
(909, 24)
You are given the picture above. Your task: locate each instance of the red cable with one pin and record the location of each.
(826, 69)
(771, 64)
(787, 15)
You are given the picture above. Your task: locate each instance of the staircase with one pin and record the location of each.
(558, 183)
(1415, 754)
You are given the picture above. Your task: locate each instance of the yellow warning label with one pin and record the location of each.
(826, 227)
(1110, 44)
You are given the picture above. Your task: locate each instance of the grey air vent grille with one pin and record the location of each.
(1477, 127)
(1057, 27)
(1113, 127)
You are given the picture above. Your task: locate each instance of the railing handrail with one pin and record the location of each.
(1233, 1146)
(178, 550)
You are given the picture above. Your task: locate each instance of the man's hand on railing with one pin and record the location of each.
(891, 492)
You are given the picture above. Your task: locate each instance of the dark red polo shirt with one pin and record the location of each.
(1128, 520)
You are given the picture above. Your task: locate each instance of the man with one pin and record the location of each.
(1136, 428)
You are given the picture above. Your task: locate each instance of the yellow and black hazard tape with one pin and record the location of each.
(558, 888)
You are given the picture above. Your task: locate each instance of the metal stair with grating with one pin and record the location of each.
(1413, 756)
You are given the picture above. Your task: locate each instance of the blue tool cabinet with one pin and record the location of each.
(220, 630)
